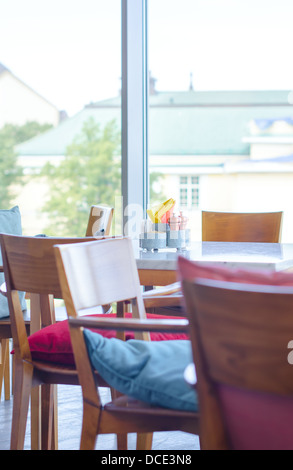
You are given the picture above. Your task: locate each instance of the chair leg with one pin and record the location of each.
(7, 371)
(47, 394)
(35, 417)
(91, 415)
(22, 390)
(122, 443)
(1, 365)
(54, 443)
(4, 368)
(144, 441)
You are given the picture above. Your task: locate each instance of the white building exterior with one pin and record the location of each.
(19, 103)
(211, 149)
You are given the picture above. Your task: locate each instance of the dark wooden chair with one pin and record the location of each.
(95, 274)
(262, 227)
(240, 336)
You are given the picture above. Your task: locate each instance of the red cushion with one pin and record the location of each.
(53, 343)
(191, 269)
(257, 421)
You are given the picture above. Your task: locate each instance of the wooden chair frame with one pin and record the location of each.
(239, 336)
(99, 221)
(29, 265)
(122, 413)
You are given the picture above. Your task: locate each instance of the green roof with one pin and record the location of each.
(55, 141)
(180, 123)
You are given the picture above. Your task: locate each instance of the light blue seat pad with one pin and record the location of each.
(10, 222)
(150, 371)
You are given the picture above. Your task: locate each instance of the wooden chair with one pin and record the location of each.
(263, 227)
(99, 224)
(86, 283)
(100, 221)
(29, 265)
(240, 336)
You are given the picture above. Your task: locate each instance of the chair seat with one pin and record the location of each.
(48, 372)
(125, 411)
(53, 344)
(125, 404)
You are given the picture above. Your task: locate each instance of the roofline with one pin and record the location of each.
(268, 139)
(212, 93)
(29, 87)
(219, 105)
(201, 105)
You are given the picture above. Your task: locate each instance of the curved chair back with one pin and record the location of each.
(30, 266)
(99, 223)
(263, 227)
(240, 335)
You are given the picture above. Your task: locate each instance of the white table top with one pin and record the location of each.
(276, 256)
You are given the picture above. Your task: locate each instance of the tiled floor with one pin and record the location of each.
(69, 425)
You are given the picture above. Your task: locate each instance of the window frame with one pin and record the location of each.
(134, 111)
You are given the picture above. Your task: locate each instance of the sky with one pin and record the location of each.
(69, 51)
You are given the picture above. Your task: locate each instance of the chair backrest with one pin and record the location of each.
(100, 221)
(30, 266)
(263, 227)
(98, 273)
(240, 336)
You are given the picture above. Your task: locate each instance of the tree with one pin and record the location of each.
(10, 171)
(157, 194)
(90, 173)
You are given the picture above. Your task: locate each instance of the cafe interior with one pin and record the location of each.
(148, 343)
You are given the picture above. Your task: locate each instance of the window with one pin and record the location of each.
(189, 192)
(220, 106)
(60, 100)
(219, 103)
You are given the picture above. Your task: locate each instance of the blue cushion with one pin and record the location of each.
(148, 371)
(10, 222)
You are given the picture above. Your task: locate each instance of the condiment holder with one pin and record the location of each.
(159, 235)
(152, 240)
(177, 239)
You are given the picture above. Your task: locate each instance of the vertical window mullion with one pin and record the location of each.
(134, 108)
